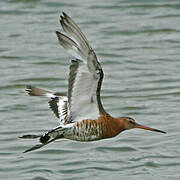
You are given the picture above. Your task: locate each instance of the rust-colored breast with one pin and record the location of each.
(90, 130)
(112, 126)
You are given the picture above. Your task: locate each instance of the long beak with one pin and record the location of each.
(147, 128)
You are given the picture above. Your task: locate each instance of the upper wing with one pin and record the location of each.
(85, 75)
(58, 102)
(34, 91)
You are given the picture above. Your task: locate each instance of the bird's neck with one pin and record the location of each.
(112, 126)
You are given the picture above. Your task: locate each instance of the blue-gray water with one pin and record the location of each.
(138, 45)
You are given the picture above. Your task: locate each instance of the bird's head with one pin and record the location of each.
(130, 123)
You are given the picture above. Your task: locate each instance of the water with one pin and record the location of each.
(137, 43)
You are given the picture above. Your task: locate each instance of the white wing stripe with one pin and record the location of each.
(83, 94)
(85, 75)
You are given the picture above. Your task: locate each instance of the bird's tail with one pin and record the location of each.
(45, 139)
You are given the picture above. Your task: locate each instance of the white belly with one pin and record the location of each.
(83, 132)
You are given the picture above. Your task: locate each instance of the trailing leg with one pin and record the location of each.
(47, 138)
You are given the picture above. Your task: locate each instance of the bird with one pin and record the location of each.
(80, 112)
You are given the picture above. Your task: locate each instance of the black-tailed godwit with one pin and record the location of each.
(79, 111)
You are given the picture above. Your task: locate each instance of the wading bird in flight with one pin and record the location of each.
(80, 112)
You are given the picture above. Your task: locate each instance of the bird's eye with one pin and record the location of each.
(132, 122)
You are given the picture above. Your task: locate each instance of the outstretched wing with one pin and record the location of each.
(58, 102)
(34, 91)
(85, 75)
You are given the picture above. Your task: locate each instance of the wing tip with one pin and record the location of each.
(64, 14)
(29, 90)
(58, 33)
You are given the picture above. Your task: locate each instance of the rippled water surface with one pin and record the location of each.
(138, 45)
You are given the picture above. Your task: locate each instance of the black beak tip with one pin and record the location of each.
(157, 130)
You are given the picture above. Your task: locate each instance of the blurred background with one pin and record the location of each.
(137, 43)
